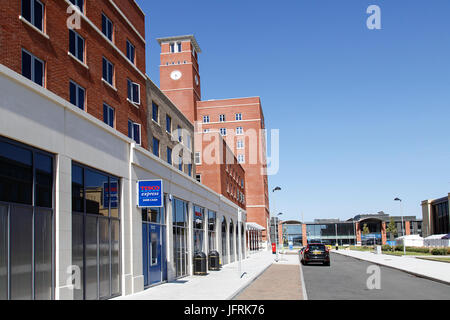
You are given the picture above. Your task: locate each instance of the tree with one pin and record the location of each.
(391, 229)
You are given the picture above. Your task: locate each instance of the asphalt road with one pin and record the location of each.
(347, 277)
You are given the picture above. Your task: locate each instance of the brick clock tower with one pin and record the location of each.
(236, 119)
(179, 73)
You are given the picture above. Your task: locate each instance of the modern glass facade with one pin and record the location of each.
(232, 242)
(96, 233)
(212, 216)
(180, 233)
(199, 229)
(440, 218)
(224, 241)
(26, 222)
(330, 234)
(292, 233)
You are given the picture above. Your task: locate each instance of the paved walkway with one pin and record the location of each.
(282, 281)
(433, 270)
(219, 285)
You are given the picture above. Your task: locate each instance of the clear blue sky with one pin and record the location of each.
(364, 116)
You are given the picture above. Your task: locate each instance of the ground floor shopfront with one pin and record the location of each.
(70, 227)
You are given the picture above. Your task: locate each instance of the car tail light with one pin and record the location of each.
(307, 250)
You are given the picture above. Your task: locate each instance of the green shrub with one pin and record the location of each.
(439, 252)
(386, 247)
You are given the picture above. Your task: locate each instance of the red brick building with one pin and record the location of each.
(219, 168)
(98, 64)
(239, 121)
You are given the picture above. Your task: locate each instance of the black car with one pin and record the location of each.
(315, 252)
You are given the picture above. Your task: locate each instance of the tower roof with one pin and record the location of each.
(189, 37)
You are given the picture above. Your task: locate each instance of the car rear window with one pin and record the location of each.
(316, 247)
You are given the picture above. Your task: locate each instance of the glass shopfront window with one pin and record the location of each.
(212, 216)
(232, 242)
(199, 229)
(96, 233)
(180, 232)
(224, 241)
(26, 223)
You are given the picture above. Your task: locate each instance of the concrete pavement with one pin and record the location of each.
(432, 270)
(282, 281)
(217, 285)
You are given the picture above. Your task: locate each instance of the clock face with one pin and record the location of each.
(176, 75)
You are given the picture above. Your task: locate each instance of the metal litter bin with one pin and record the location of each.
(200, 264)
(214, 261)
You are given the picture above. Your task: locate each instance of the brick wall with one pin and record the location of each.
(60, 68)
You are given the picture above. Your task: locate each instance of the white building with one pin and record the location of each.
(75, 212)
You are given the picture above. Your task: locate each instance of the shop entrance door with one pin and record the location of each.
(153, 257)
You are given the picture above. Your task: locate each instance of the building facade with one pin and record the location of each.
(98, 64)
(218, 166)
(74, 142)
(435, 215)
(350, 232)
(170, 133)
(240, 121)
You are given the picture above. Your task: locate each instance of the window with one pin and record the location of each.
(134, 92)
(76, 45)
(190, 169)
(169, 155)
(240, 144)
(205, 119)
(33, 12)
(168, 124)
(180, 163)
(241, 158)
(32, 68)
(95, 232)
(198, 158)
(155, 147)
(198, 177)
(107, 27)
(26, 222)
(131, 52)
(108, 115)
(78, 3)
(223, 131)
(77, 95)
(180, 138)
(134, 131)
(238, 116)
(179, 47)
(222, 118)
(172, 47)
(155, 112)
(108, 71)
(239, 131)
(206, 130)
(188, 138)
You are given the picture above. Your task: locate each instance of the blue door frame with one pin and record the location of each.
(154, 257)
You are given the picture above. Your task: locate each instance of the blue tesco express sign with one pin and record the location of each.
(150, 194)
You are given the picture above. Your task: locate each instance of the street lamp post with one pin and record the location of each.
(276, 235)
(403, 226)
(271, 216)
